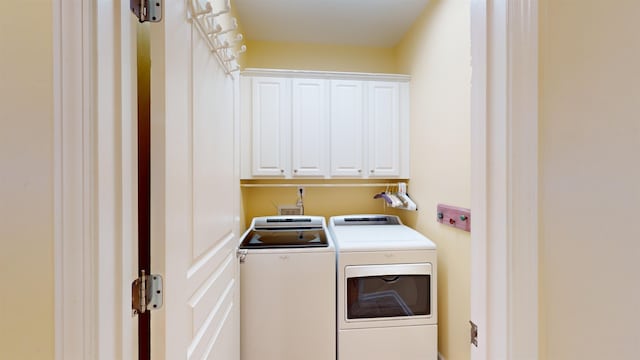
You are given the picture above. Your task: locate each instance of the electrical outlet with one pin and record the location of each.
(289, 210)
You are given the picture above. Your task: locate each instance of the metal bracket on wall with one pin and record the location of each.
(147, 10)
(474, 333)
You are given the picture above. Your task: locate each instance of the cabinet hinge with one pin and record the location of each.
(147, 10)
(242, 255)
(146, 293)
(474, 333)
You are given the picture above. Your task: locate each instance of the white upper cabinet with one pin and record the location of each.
(384, 128)
(309, 127)
(271, 119)
(324, 125)
(347, 128)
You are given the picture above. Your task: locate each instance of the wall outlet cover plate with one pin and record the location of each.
(289, 210)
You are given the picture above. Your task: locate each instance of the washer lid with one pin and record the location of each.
(292, 238)
(287, 222)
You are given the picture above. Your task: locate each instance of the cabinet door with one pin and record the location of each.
(309, 123)
(384, 128)
(271, 118)
(347, 128)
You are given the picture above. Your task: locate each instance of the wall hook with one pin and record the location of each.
(234, 27)
(197, 12)
(226, 9)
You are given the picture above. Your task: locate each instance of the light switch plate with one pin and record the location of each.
(454, 216)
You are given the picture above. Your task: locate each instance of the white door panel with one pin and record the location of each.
(309, 124)
(271, 126)
(347, 127)
(194, 195)
(384, 128)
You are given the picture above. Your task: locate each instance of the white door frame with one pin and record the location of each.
(75, 333)
(95, 231)
(504, 178)
(93, 226)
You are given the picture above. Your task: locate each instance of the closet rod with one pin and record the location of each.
(321, 185)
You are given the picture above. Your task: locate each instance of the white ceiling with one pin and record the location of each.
(348, 22)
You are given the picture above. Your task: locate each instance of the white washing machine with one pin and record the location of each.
(387, 289)
(287, 290)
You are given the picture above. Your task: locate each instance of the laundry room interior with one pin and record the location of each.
(435, 52)
(554, 131)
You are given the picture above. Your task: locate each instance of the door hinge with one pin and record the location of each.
(147, 10)
(146, 293)
(474, 333)
(242, 255)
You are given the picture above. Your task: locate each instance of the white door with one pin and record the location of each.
(347, 128)
(194, 194)
(384, 128)
(271, 119)
(309, 123)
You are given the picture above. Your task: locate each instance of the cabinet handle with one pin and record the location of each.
(372, 170)
(295, 170)
(359, 170)
(282, 171)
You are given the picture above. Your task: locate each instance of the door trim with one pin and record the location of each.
(94, 189)
(504, 178)
(75, 330)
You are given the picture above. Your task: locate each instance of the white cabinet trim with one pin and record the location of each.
(325, 75)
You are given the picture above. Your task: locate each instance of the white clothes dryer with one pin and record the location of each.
(387, 289)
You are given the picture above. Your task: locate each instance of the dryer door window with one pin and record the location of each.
(388, 291)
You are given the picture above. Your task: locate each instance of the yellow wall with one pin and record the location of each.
(436, 52)
(26, 180)
(589, 179)
(322, 201)
(297, 56)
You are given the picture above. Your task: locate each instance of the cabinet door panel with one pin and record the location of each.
(384, 128)
(271, 130)
(347, 128)
(309, 127)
